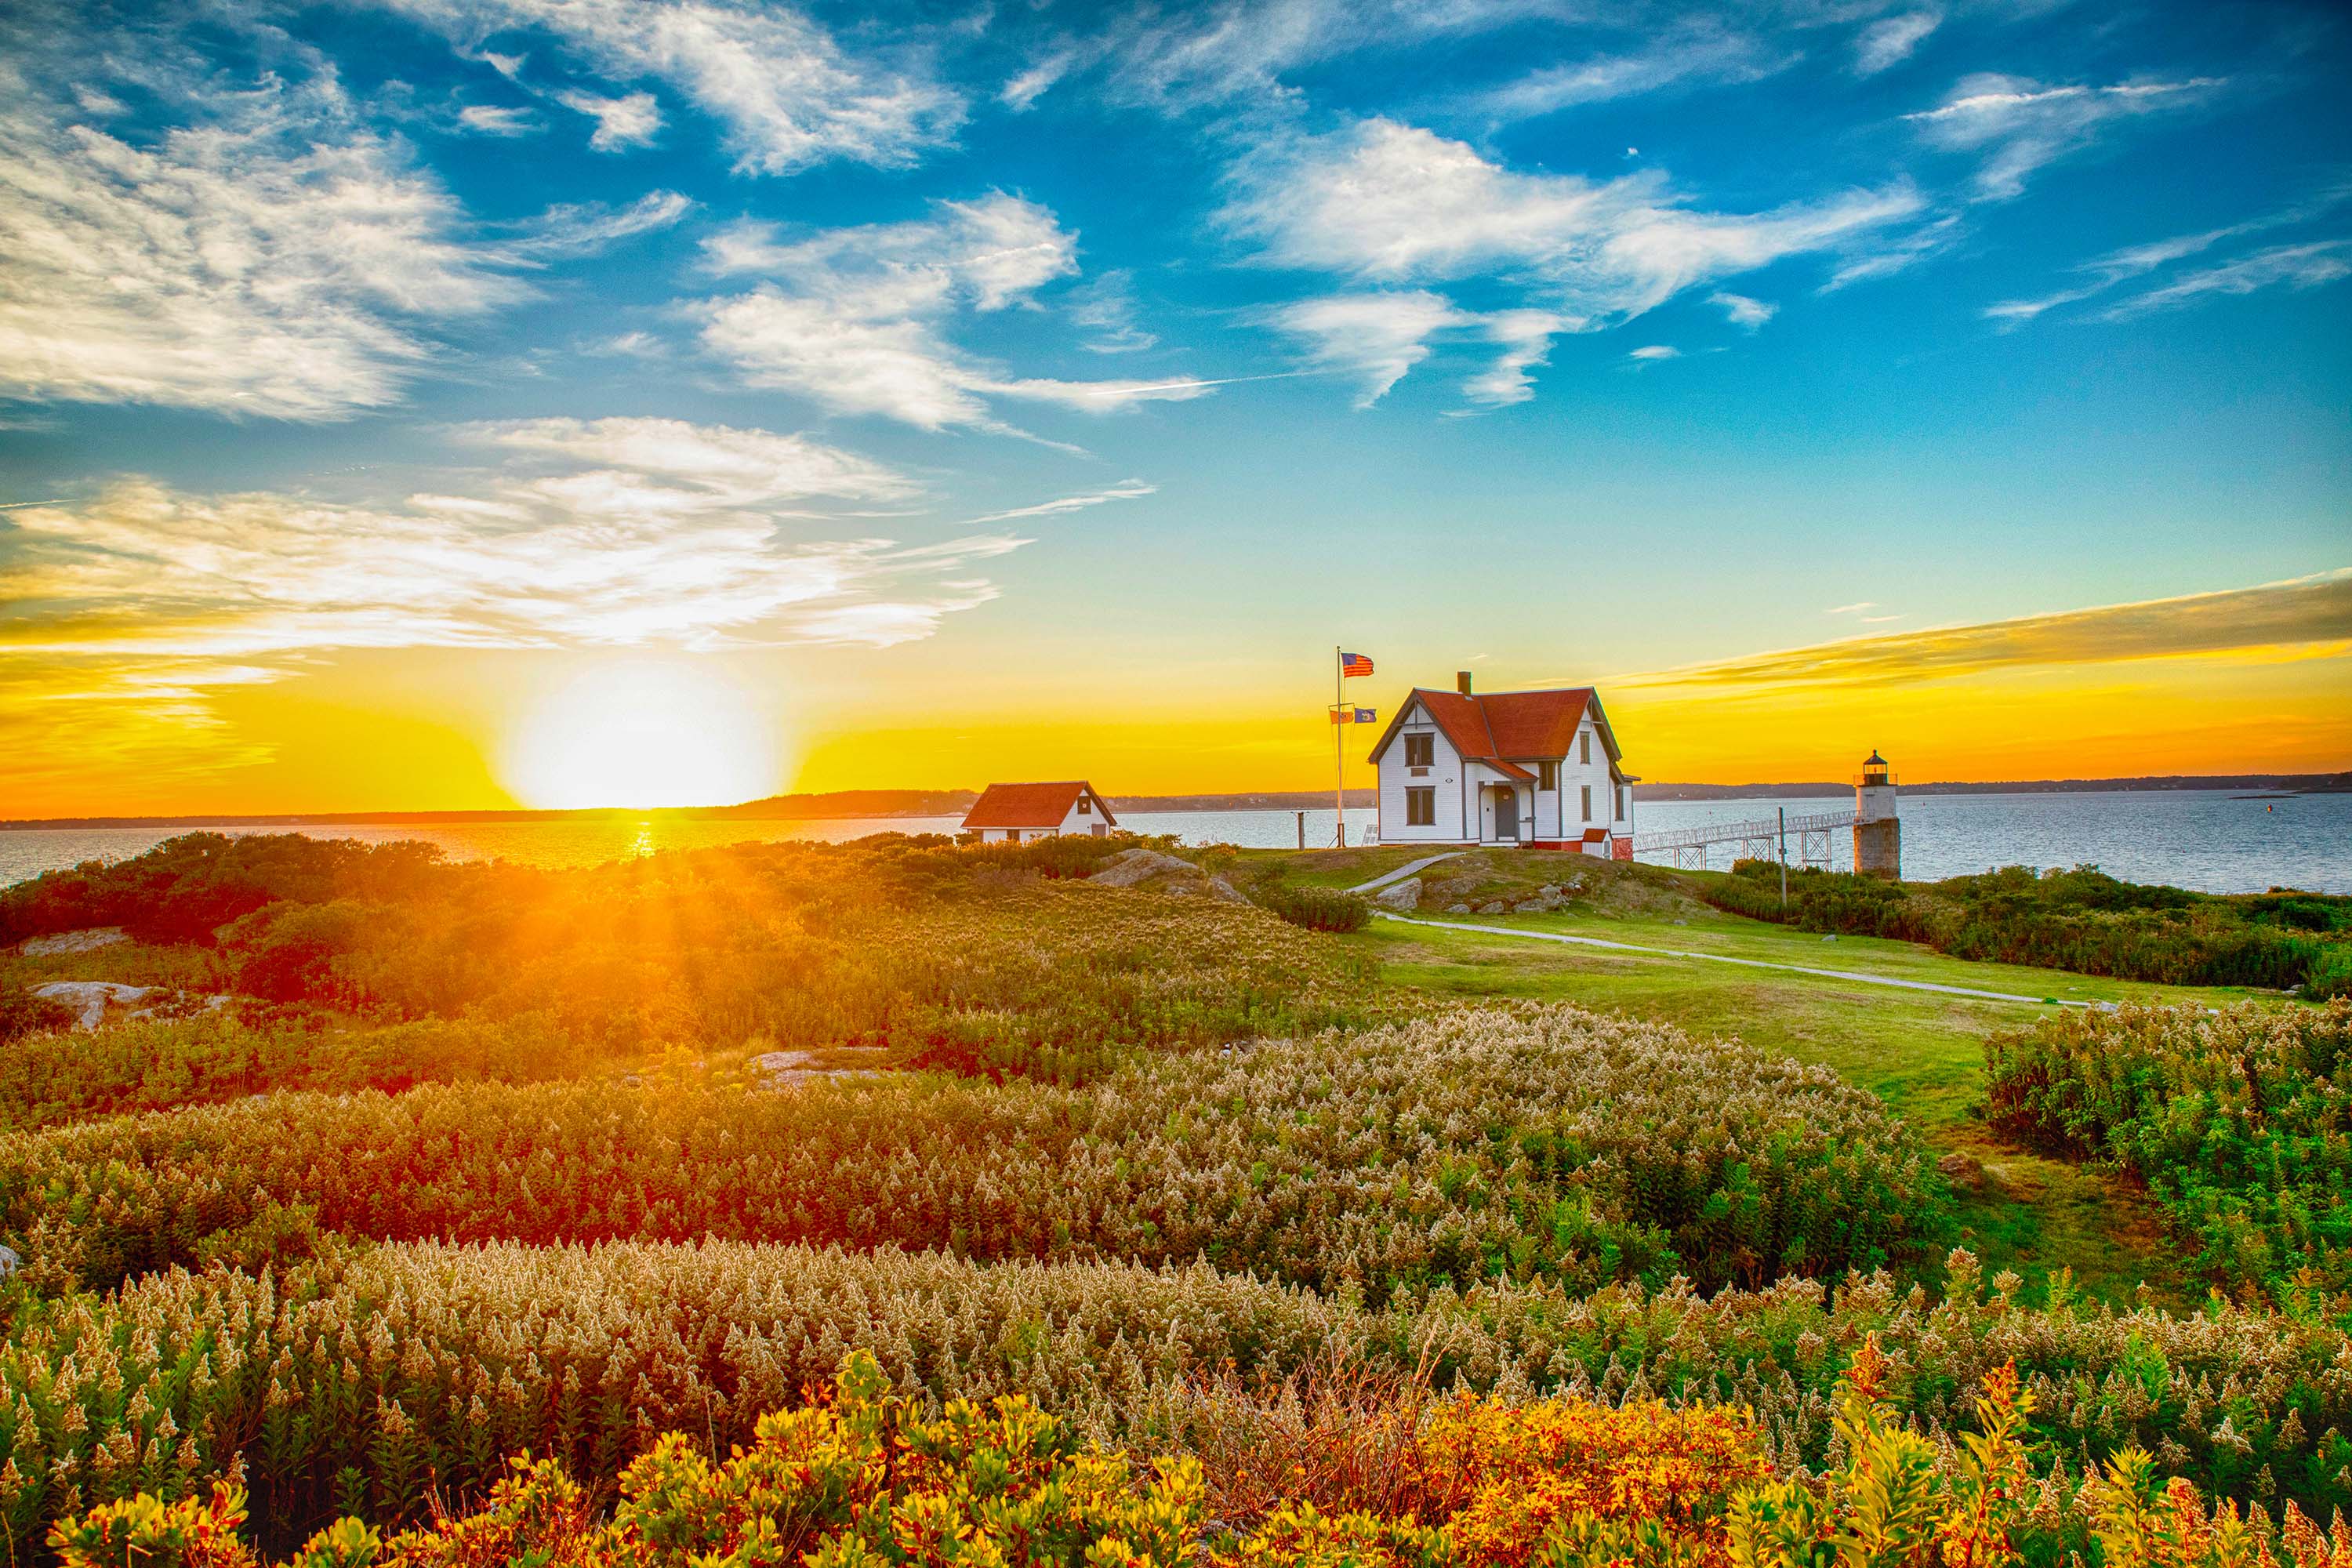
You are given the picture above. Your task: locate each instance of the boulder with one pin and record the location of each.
(1457, 909)
(1130, 867)
(1224, 892)
(89, 940)
(1402, 897)
(1965, 1172)
(91, 998)
(1494, 906)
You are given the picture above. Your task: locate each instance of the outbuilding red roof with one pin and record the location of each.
(1489, 728)
(1032, 805)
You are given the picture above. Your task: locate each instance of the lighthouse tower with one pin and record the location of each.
(1877, 832)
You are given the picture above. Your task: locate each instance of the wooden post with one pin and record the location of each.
(1784, 860)
(1302, 830)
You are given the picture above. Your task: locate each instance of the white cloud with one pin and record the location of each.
(1649, 354)
(738, 467)
(1525, 337)
(1388, 203)
(1890, 40)
(2021, 126)
(141, 604)
(578, 228)
(2102, 273)
(854, 317)
(633, 119)
(494, 120)
(1126, 490)
(1742, 310)
(788, 94)
(1697, 52)
(1023, 92)
(1241, 49)
(2290, 266)
(270, 261)
(1373, 339)
(1106, 309)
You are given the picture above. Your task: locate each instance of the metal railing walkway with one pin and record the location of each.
(1759, 838)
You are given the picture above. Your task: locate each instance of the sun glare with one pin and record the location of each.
(642, 734)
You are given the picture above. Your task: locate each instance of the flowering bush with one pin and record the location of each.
(366, 1381)
(2239, 1121)
(863, 1476)
(1538, 1144)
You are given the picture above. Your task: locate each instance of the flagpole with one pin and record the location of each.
(1338, 751)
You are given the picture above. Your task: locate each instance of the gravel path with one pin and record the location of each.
(1401, 872)
(1744, 962)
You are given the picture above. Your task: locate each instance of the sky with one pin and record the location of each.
(445, 403)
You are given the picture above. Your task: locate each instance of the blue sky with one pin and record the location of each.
(1024, 361)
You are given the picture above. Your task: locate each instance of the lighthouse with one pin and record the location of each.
(1877, 832)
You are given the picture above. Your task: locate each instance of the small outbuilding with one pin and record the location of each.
(1016, 813)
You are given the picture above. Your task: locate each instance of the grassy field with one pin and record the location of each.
(1921, 1051)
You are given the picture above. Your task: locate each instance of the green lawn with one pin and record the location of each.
(1922, 1051)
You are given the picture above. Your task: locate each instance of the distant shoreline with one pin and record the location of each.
(883, 805)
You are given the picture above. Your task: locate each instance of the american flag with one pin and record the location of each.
(1354, 664)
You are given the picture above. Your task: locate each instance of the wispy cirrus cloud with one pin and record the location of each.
(2020, 126)
(1890, 40)
(2279, 265)
(270, 258)
(856, 318)
(632, 119)
(2297, 266)
(128, 609)
(788, 94)
(1697, 52)
(583, 228)
(1389, 203)
(2299, 613)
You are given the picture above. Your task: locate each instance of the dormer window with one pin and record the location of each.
(1420, 751)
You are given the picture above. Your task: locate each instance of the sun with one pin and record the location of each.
(642, 733)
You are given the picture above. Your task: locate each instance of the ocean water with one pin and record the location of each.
(2212, 840)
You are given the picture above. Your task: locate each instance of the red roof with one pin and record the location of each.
(1489, 728)
(1508, 770)
(1032, 805)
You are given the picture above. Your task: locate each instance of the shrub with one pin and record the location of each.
(22, 1014)
(2240, 1122)
(2080, 919)
(1316, 909)
(865, 1475)
(1544, 1142)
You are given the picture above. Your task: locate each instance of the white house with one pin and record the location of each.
(1014, 813)
(1538, 769)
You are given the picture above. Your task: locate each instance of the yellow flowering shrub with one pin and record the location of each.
(863, 1476)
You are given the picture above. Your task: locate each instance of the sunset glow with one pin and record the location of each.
(641, 734)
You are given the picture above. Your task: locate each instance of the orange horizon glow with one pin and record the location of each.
(2226, 714)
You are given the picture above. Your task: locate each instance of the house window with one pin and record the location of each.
(1547, 776)
(1620, 803)
(1588, 803)
(1421, 808)
(1584, 751)
(1420, 751)
(1086, 806)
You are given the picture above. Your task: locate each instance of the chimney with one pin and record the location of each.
(1461, 681)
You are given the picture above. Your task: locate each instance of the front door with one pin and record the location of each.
(1506, 813)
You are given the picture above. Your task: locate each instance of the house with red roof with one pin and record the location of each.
(1015, 813)
(1536, 769)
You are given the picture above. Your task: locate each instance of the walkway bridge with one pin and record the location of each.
(1809, 838)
